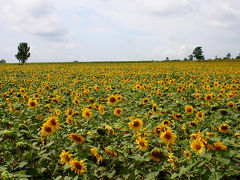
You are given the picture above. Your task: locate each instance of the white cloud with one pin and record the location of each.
(34, 17)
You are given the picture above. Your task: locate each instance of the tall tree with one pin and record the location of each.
(198, 53)
(238, 56)
(23, 52)
(228, 56)
(190, 57)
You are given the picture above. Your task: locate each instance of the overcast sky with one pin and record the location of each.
(95, 30)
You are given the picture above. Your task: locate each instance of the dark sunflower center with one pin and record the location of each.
(157, 154)
(48, 129)
(87, 114)
(198, 147)
(141, 143)
(168, 135)
(189, 110)
(76, 138)
(66, 158)
(78, 166)
(136, 124)
(112, 99)
(224, 127)
(53, 122)
(118, 111)
(32, 103)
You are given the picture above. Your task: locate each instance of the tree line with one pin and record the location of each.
(24, 53)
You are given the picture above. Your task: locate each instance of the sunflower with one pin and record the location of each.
(178, 116)
(154, 108)
(197, 145)
(58, 112)
(166, 123)
(220, 146)
(160, 129)
(156, 155)
(47, 130)
(66, 157)
(230, 104)
(208, 97)
(142, 144)
(118, 111)
(224, 128)
(55, 100)
(77, 138)
(53, 122)
(101, 109)
(32, 103)
(200, 115)
(136, 124)
(36, 96)
(189, 110)
(168, 137)
(112, 100)
(69, 120)
(119, 97)
(78, 166)
(76, 101)
(69, 112)
(87, 114)
(145, 101)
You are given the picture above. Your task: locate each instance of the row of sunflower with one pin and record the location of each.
(119, 121)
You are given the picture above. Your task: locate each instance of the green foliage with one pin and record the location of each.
(3, 61)
(198, 53)
(23, 52)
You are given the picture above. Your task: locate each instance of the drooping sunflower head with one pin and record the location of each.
(112, 100)
(136, 124)
(78, 166)
(224, 128)
(118, 111)
(168, 137)
(77, 138)
(66, 157)
(189, 109)
(157, 155)
(142, 144)
(220, 146)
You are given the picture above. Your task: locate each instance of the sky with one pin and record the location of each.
(118, 30)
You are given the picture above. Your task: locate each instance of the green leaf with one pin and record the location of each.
(222, 160)
(21, 164)
(152, 175)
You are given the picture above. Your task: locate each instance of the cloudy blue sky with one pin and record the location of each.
(96, 30)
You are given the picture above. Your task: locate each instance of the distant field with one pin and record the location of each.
(128, 120)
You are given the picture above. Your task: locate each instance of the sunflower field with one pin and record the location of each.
(164, 120)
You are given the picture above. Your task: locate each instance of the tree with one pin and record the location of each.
(190, 57)
(198, 53)
(228, 56)
(23, 52)
(3, 61)
(167, 59)
(185, 59)
(238, 56)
